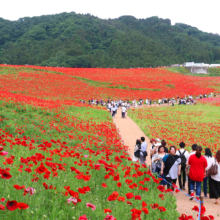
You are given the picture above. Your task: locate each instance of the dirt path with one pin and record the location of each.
(130, 132)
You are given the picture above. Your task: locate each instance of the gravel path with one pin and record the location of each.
(130, 132)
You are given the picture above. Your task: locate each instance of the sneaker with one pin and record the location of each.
(206, 197)
(197, 199)
(192, 195)
(184, 188)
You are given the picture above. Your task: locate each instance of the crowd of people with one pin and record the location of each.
(191, 168)
(187, 100)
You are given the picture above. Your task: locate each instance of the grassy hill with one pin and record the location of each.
(75, 40)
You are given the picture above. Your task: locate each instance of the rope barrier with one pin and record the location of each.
(200, 202)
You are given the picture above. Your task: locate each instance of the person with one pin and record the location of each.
(153, 151)
(137, 147)
(163, 143)
(210, 160)
(198, 164)
(113, 109)
(194, 146)
(158, 159)
(183, 154)
(214, 181)
(171, 167)
(123, 110)
(143, 150)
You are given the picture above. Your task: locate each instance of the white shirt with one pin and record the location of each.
(143, 147)
(210, 161)
(123, 109)
(187, 159)
(217, 176)
(186, 154)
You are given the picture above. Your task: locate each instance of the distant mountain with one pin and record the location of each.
(75, 40)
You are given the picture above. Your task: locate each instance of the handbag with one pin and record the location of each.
(137, 153)
(144, 153)
(213, 170)
(187, 169)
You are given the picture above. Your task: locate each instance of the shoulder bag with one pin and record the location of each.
(213, 170)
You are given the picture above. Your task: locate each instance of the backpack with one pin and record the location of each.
(183, 158)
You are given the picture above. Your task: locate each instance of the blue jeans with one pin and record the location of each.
(205, 181)
(198, 187)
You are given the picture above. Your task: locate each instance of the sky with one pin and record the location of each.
(201, 14)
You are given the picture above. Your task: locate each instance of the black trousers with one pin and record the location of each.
(168, 179)
(182, 174)
(214, 189)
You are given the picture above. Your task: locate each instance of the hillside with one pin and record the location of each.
(75, 40)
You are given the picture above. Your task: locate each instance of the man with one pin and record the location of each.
(194, 146)
(183, 154)
(123, 110)
(143, 149)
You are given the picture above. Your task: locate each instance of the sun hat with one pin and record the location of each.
(151, 140)
(158, 140)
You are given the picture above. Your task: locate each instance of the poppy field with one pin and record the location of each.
(61, 159)
(57, 86)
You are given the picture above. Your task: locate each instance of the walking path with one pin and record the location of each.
(130, 132)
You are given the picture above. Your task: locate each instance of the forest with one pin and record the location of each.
(76, 40)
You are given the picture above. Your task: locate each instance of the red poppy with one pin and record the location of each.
(107, 210)
(154, 206)
(11, 205)
(162, 209)
(129, 195)
(22, 205)
(2, 207)
(104, 185)
(118, 184)
(137, 197)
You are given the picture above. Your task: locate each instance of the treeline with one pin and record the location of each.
(75, 40)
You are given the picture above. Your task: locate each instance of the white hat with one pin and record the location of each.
(158, 140)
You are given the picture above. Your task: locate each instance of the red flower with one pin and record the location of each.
(144, 204)
(2, 199)
(162, 209)
(154, 206)
(107, 210)
(11, 205)
(195, 208)
(118, 184)
(83, 217)
(145, 210)
(104, 185)
(6, 175)
(129, 195)
(2, 207)
(137, 197)
(22, 205)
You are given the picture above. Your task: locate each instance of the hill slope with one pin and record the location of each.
(75, 40)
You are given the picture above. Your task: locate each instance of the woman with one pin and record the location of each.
(198, 164)
(210, 160)
(153, 152)
(171, 167)
(158, 159)
(214, 181)
(137, 147)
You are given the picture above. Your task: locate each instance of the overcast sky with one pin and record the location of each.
(205, 15)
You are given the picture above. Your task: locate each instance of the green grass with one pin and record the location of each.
(4, 70)
(109, 85)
